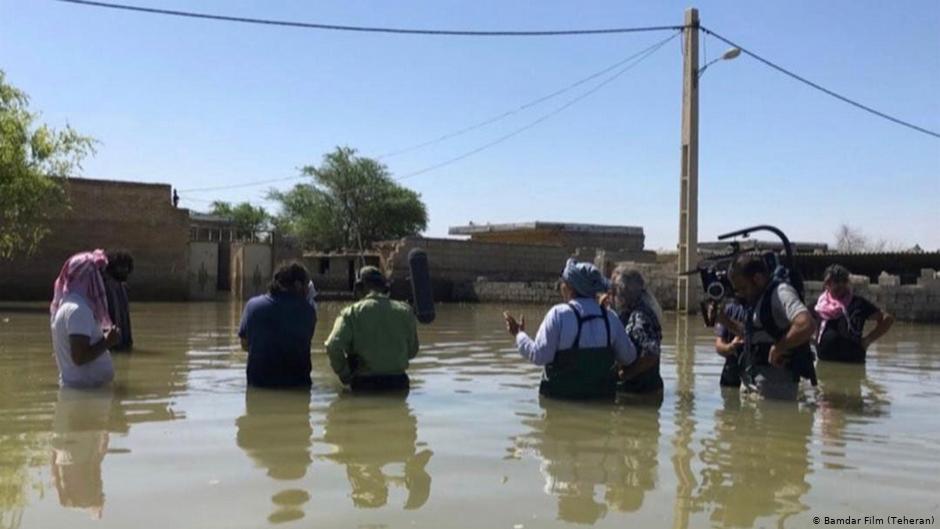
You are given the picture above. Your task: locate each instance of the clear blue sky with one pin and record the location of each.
(199, 103)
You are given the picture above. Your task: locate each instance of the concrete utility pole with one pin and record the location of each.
(688, 176)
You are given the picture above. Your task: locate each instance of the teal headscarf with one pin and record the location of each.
(586, 280)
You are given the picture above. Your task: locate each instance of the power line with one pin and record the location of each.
(638, 57)
(649, 51)
(244, 184)
(370, 29)
(825, 90)
(516, 110)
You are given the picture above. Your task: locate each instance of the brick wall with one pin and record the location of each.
(111, 215)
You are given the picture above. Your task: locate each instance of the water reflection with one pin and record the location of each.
(585, 446)
(847, 396)
(79, 444)
(370, 433)
(275, 432)
(757, 462)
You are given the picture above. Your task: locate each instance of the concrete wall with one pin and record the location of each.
(203, 270)
(907, 265)
(331, 273)
(660, 280)
(251, 269)
(455, 262)
(567, 240)
(111, 215)
(920, 302)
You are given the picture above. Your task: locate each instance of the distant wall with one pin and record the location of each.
(203, 270)
(565, 239)
(905, 265)
(251, 269)
(919, 302)
(336, 273)
(454, 262)
(110, 215)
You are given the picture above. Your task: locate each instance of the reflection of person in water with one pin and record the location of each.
(846, 390)
(370, 432)
(756, 465)
(616, 448)
(275, 432)
(78, 448)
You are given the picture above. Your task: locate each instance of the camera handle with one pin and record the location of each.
(746, 232)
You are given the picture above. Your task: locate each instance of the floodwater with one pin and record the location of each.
(177, 441)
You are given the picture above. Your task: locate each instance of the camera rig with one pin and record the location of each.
(715, 270)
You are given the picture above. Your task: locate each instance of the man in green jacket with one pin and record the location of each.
(373, 339)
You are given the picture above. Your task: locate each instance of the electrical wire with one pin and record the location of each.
(823, 89)
(370, 29)
(242, 185)
(518, 109)
(650, 51)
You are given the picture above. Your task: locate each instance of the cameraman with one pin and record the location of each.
(777, 331)
(730, 346)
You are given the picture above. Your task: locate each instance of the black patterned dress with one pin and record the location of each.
(646, 333)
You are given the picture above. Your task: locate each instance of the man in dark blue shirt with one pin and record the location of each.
(276, 330)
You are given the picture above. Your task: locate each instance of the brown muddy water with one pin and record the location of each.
(177, 441)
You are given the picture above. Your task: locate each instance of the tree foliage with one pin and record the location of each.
(351, 202)
(247, 218)
(35, 159)
(850, 239)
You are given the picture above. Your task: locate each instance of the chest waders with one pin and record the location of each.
(800, 360)
(582, 372)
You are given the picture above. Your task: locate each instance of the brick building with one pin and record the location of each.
(567, 235)
(138, 217)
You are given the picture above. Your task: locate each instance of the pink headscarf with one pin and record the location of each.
(830, 307)
(80, 275)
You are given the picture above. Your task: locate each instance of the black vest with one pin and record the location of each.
(801, 359)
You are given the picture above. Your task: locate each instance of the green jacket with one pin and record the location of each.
(376, 335)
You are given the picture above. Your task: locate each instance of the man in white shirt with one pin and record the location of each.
(81, 328)
(579, 342)
(81, 349)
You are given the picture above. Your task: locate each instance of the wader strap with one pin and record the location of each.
(582, 319)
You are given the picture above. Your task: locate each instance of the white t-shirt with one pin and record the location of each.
(75, 317)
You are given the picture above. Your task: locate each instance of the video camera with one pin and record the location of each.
(715, 271)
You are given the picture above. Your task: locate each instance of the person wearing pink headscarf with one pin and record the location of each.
(82, 330)
(842, 315)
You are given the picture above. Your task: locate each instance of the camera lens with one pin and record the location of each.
(716, 290)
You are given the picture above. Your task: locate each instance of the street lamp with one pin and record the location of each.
(726, 56)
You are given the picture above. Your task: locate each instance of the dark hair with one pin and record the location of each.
(749, 265)
(836, 273)
(287, 275)
(118, 258)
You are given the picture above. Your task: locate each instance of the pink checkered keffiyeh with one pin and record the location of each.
(81, 275)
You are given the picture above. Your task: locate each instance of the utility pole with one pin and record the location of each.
(688, 176)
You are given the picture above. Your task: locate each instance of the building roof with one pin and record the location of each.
(798, 247)
(473, 229)
(124, 183)
(208, 218)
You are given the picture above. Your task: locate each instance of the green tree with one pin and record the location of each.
(35, 160)
(248, 219)
(351, 203)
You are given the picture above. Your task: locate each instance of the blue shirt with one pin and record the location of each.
(560, 326)
(279, 328)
